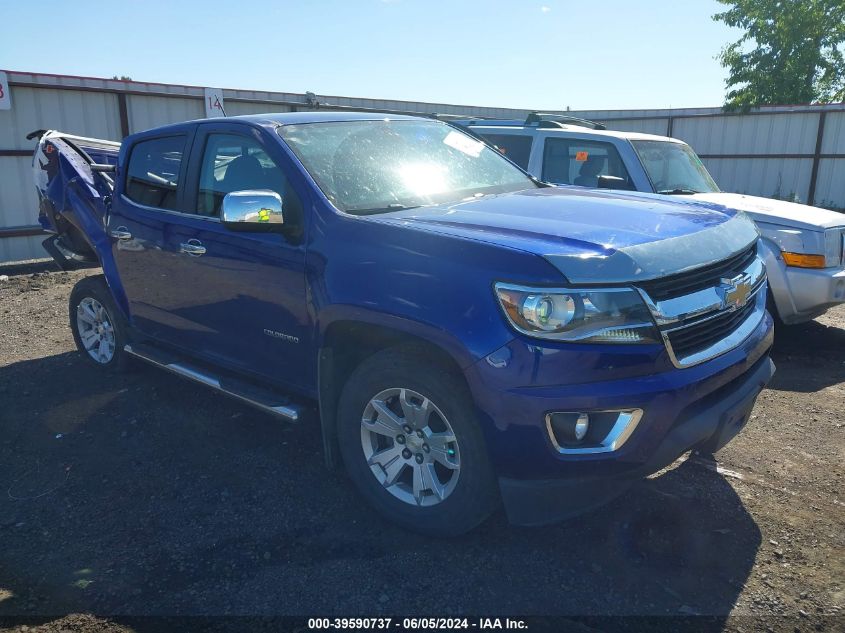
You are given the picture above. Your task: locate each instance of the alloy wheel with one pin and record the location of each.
(95, 330)
(410, 447)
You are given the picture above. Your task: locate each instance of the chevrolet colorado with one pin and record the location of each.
(470, 335)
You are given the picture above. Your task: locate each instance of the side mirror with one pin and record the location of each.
(613, 182)
(259, 210)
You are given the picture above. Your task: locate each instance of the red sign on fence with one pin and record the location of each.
(5, 95)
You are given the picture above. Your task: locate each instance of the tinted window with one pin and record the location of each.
(237, 163)
(515, 146)
(379, 166)
(153, 173)
(569, 161)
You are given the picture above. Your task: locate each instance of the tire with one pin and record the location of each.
(469, 492)
(93, 313)
(773, 310)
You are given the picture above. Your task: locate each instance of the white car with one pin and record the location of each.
(803, 246)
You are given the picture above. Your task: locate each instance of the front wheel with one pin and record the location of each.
(412, 446)
(97, 325)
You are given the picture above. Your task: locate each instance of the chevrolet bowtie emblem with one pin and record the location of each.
(735, 292)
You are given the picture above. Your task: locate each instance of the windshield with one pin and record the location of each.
(377, 166)
(674, 168)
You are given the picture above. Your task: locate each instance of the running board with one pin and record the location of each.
(258, 397)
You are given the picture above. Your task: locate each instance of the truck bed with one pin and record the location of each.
(73, 183)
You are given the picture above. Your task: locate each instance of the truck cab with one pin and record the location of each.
(467, 335)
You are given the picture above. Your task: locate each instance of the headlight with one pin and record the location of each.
(584, 315)
(810, 249)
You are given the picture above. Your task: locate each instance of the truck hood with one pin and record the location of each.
(593, 236)
(771, 211)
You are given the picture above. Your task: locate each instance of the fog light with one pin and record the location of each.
(581, 426)
(577, 432)
(569, 427)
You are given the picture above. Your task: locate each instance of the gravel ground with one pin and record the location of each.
(147, 495)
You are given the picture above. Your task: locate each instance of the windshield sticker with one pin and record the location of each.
(581, 156)
(463, 143)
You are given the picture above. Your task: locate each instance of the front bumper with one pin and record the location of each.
(806, 293)
(700, 406)
(708, 425)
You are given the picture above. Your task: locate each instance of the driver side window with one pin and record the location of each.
(231, 162)
(578, 162)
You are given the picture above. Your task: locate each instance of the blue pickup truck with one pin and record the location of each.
(470, 335)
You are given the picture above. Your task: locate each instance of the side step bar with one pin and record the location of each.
(258, 397)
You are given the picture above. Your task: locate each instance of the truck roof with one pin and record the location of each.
(319, 116)
(272, 119)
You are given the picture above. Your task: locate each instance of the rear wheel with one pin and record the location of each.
(412, 446)
(97, 325)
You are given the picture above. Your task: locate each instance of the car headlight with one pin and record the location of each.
(811, 249)
(606, 315)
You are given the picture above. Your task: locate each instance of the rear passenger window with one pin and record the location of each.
(153, 174)
(517, 147)
(569, 161)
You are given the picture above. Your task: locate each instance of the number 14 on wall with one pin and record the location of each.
(214, 103)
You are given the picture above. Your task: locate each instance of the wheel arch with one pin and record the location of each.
(345, 343)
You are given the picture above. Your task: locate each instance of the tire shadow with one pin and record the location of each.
(809, 357)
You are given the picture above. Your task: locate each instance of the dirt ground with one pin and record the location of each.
(145, 495)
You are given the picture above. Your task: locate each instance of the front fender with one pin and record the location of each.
(445, 340)
(431, 286)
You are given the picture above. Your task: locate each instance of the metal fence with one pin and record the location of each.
(796, 152)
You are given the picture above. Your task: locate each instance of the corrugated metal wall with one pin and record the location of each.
(774, 152)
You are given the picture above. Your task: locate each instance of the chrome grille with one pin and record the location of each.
(699, 278)
(696, 337)
(834, 247)
(708, 311)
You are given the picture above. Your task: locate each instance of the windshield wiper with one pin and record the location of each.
(679, 192)
(388, 208)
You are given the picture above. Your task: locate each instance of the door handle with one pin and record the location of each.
(121, 233)
(192, 247)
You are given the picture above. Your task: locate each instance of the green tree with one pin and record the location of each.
(791, 52)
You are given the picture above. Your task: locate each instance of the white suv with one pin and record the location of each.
(803, 246)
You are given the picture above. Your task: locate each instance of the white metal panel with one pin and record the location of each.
(646, 126)
(754, 134)
(786, 178)
(237, 108)
(830, 185)
(147, 112)
(681, 112)
(18, 201)
(84, 113)
(834, 134)
(15, 249)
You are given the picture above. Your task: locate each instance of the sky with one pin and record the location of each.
(551, 54)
